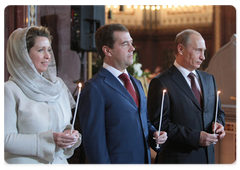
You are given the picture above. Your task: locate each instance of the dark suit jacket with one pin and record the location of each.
(114, 130)
(183, 118)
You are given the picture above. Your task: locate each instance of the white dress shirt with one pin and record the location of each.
(185, 74)
(116, 73)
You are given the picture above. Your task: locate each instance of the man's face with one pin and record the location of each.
(122, 52)
(193, 54)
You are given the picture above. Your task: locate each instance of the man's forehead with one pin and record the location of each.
(122, 35)
(197, 41)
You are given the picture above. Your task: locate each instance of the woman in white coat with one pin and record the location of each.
(37, 104)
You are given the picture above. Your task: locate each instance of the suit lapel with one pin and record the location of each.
(178, 78)
(111, 81)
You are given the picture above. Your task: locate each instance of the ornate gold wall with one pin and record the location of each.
(159, 16)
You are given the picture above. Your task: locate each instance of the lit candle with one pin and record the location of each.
(216, 111)
(160, 121)
(75, 113)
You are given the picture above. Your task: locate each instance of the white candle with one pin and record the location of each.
(75, 113)
(216, 111)
(160, 121)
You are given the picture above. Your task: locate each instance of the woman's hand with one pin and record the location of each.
(65, 139)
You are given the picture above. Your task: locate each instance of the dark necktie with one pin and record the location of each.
(128, 85)
(194, 88)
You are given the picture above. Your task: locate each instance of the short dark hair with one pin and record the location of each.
(34, 32)
(104, 36)
(183, 38)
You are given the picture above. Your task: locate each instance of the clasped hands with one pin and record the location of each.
(66, 139)
(206, 138)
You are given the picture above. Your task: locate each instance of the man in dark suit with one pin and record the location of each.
(188, 119)
(115, 125)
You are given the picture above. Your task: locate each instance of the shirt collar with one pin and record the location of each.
(113, 70)
(184, 71)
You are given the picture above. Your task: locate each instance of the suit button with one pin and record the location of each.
(143, 130)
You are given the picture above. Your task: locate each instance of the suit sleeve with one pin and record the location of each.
(176, 132)
(92, 121)
(151, 130)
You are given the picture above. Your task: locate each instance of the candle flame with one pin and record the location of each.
(164, 91)
(219, 92)
(79, 85)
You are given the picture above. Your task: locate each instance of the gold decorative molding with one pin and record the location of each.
(230, 127)
(32, 15)
(159, 16)
(236, 148)
(217, 28)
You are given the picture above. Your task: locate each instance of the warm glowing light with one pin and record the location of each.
(164, 91)
(128, 6)
(79, 85)
(157, 7)
(115, 6)
(219, 92)
(135, 6)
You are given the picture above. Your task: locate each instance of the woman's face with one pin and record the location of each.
(40, 53)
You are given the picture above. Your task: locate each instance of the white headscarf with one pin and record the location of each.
(41, 88)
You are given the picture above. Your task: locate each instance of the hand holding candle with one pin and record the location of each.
(160, 121)
(75, 113)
